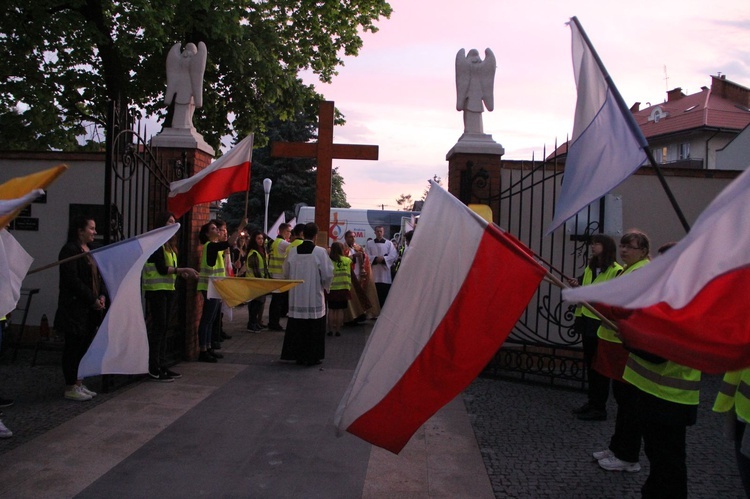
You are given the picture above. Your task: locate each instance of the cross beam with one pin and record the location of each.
(323, 151)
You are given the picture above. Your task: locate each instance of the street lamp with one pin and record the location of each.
(267, 189)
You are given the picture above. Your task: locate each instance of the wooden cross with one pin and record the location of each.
(324, 151)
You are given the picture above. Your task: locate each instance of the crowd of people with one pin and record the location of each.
(656, 399)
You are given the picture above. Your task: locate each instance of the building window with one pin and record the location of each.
(684, 150)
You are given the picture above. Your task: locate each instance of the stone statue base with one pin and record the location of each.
(181, 138)
(476, 143)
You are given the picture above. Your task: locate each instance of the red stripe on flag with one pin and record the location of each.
(214, 186)
(496, 290)
(711, 333)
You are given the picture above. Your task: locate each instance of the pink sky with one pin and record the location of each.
(399, 93)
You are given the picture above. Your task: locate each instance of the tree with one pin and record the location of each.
(293, 179)
(65, 60)
(405, 202)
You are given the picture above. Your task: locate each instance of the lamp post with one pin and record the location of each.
(267, 190)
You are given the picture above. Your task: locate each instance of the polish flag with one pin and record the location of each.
(690, 305)
(225, 176)
(461, 288)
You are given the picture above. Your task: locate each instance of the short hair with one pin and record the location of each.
(299, 229)
(283, 227)
(348, 233)
(218, 223)
(639, 238)
(310, 230)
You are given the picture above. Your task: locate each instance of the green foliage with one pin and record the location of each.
(63, 61)
(293, 179)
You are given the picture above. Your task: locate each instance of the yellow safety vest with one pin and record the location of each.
(735, 392)
(153, 280)
(276, 259)
(667, 380)
(342, 277)
(261, 264)
(605, 333)
(588, 275)
(217, 270)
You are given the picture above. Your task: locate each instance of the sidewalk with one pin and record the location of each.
(251, 426)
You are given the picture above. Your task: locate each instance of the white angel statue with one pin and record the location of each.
(185, 82)
(475, 80)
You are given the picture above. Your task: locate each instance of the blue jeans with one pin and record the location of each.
(211, 307)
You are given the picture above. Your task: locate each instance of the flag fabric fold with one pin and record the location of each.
(121, 345)
(17, 192)
(235, 291)
(225, 176)
(690, 304)
(275, 227)
(461, 287)
(14, 264)
(607, 145)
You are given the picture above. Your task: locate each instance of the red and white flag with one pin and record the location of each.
(225, 176)
(690, 305)
(461, 287)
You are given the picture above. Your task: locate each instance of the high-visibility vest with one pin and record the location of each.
(605, 333)
(666, 380)
(276, 259)
(735, 392)
(153, 280)
(604, 276)
(342, 274)
(217, 270)
(261, 263)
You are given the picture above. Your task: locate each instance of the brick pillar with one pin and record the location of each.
(197, 160)
(474, 165)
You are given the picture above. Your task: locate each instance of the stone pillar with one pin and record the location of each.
(474, 170)
(186, 145)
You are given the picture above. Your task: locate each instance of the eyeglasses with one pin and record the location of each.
(625, 246)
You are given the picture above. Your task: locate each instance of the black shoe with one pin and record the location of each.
(593, 415)
(580, 410)
(225, 336)
(338, 334)
(330, 333)
(172, 374)
(313, 362)
(206, 357)
(275, 327)
(7, 402)
(162, 377)
(215, 355)
(262, 326)
(215, 345)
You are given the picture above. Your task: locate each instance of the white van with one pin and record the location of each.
(361, 222)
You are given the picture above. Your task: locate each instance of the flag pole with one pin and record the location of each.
(557, 282)
(643, 143)
(59, 262)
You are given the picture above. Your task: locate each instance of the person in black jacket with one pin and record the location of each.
(81, 304)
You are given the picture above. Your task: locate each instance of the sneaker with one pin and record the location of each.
(172, 374)
(161, 376)
(6, 402)
(603, 454)
(90, 393)
(206, 357)
(77, 394)
(593, 415)
(4, 431)
(614, 464)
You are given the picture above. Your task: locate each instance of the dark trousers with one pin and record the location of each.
(277, 308)
(598, 388)
(159, 307)
(255, 311)
(382, 288)
(626, 441)
(664, 445)
(75, 348)
(211, 307)
(743, 462)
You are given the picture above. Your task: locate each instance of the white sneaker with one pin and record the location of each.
(614, 464)
(4, 431)
(77, 394)
(85, 390)
(603, 454)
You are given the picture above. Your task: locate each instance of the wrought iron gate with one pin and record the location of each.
(542, 346)
(135, 192)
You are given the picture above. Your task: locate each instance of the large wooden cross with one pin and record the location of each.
(324, 151)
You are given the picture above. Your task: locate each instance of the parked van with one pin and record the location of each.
(361, 222)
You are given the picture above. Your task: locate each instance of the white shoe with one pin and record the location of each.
(4, 431)
(85, 390)
(603, 454)
(77, 394)
(614, 464)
